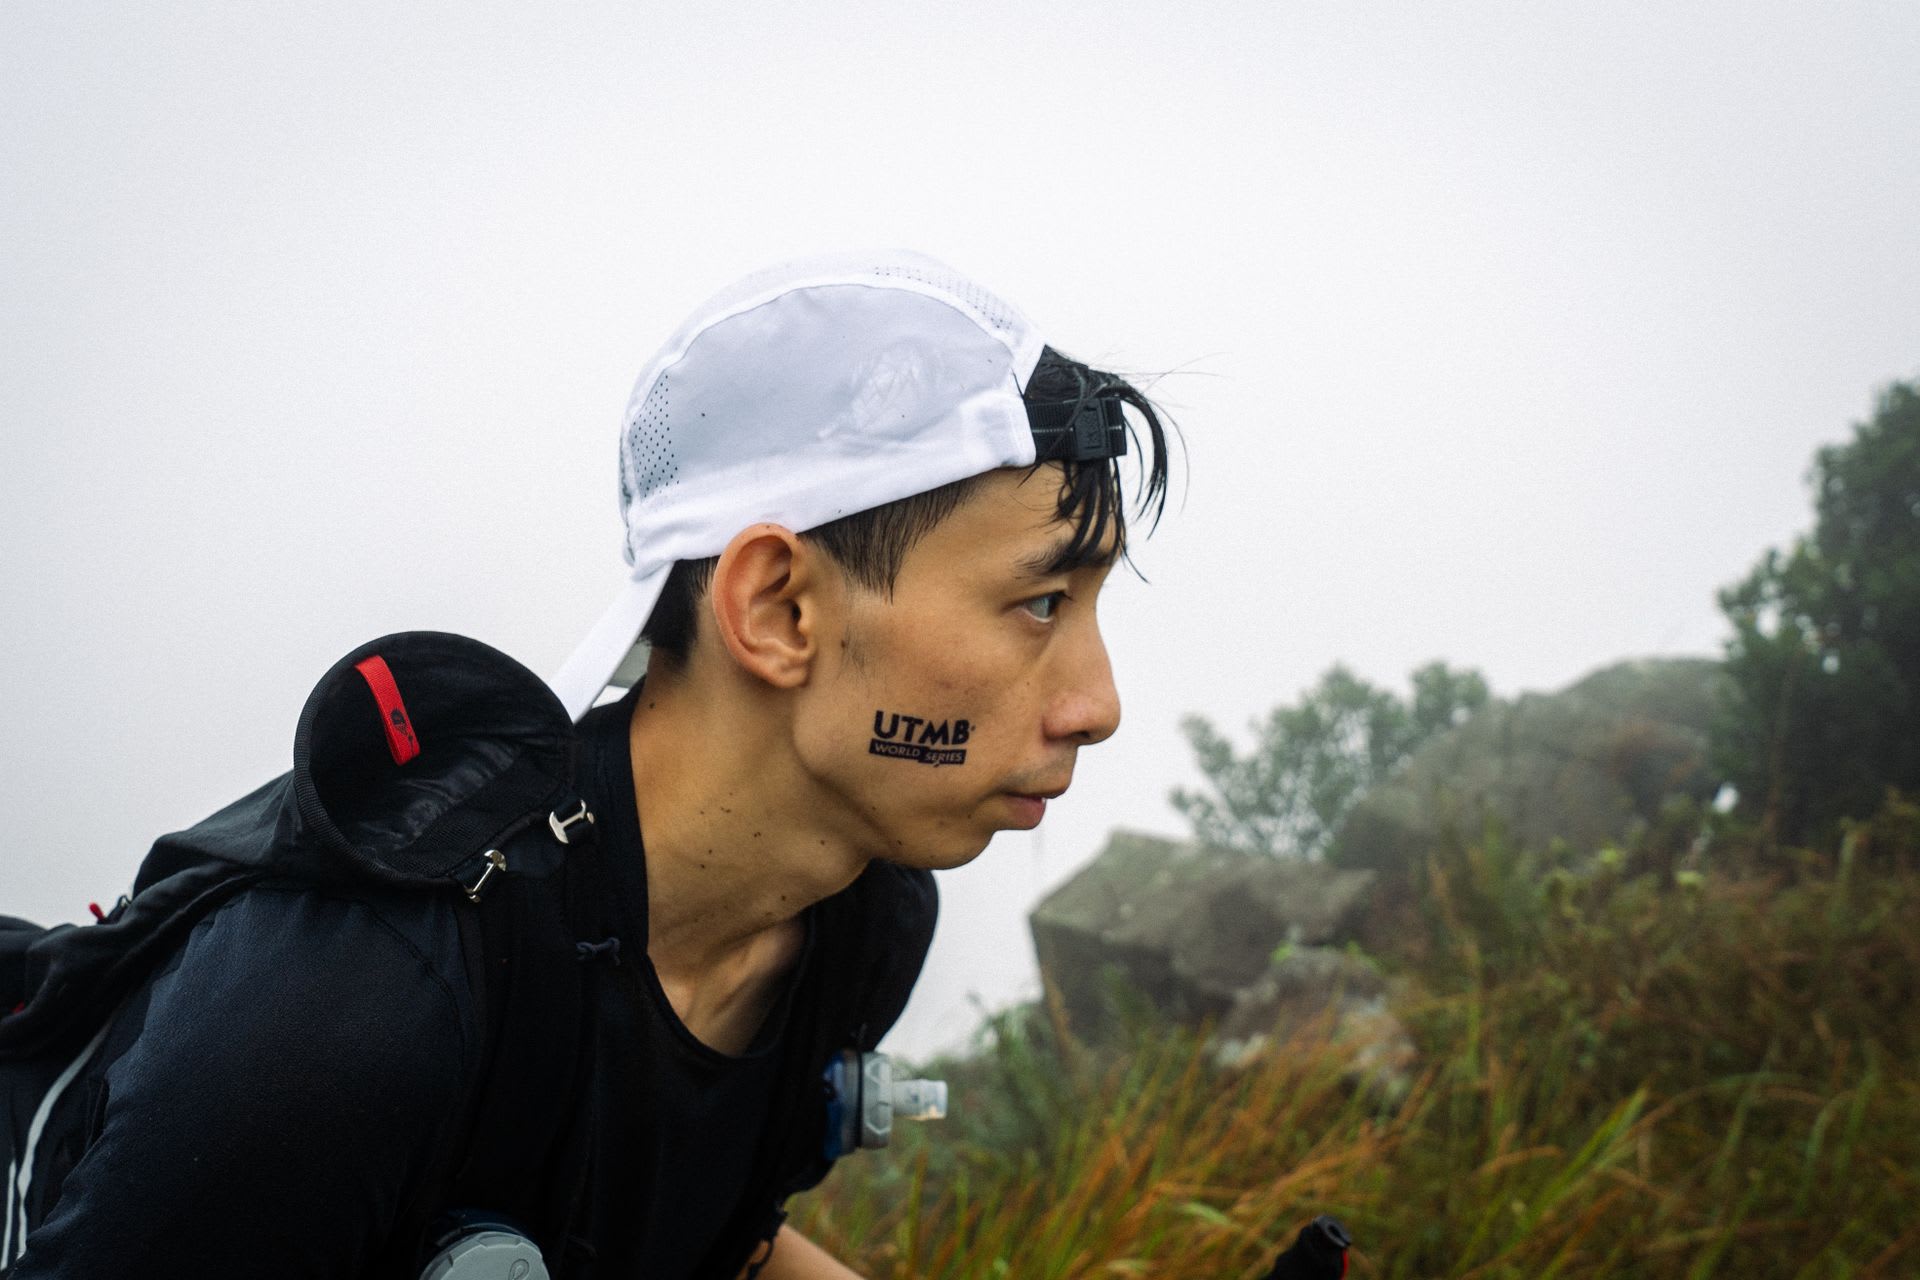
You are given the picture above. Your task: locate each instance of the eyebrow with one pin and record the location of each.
(1060, 557)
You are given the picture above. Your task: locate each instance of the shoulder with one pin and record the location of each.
(372, 982)
(370, 929)
(299, 1021)
(286, 1087)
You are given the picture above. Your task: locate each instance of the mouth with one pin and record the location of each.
(1031, 806)
(1027, 810)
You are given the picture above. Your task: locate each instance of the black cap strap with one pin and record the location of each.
(1061, 434)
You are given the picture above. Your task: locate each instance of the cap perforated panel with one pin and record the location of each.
(650, 443)
(989, 308)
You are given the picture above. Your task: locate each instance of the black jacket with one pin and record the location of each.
(348, 1045)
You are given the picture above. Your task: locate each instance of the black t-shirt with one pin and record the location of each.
(273, 1100)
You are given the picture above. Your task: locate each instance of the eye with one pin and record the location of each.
(1042, 607)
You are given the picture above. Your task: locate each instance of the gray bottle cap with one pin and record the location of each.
(488, 1255)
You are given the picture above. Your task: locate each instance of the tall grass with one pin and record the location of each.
(1629, 1068)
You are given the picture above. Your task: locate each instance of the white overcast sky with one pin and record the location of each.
(1504, 334)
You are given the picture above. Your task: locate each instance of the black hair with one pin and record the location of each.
(870, 546)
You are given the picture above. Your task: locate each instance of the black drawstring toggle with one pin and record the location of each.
(608, 950)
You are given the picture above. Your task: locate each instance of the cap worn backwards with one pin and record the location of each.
(799, 395)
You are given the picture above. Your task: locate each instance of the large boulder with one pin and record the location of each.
(1586, 765)
(1184, 927)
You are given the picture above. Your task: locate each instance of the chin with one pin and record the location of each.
(941, 854)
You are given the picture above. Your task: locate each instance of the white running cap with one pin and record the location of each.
(801, 394)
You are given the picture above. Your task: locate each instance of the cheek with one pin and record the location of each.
(922, 703)
(939, 732)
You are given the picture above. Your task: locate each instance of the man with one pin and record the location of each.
(868, 516)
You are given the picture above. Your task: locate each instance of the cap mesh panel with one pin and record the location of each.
(650, 442)
(989, 308)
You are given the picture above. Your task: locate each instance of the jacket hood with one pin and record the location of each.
(411, 753)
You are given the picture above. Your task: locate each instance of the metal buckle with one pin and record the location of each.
(496, 861)
(560, 824)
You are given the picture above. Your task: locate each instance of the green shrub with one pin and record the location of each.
(1825, 656)
(1629, 1068)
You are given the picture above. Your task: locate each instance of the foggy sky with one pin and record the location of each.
(1497, 333)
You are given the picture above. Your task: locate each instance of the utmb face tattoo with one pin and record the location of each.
(929, 741)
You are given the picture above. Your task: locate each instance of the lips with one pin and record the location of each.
(1027, 810)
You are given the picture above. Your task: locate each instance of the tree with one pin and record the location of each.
(1825, 655)
(1311, 761)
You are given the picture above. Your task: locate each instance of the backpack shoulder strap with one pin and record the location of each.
(900, 909)
(530, 944)
(870, 941)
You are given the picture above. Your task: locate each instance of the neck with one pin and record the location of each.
(736, 844)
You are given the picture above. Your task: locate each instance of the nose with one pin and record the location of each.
(1086, 710)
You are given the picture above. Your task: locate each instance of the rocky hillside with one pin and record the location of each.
(1256, 944)
(1586, 765)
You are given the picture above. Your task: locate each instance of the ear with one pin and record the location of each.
(766, 598)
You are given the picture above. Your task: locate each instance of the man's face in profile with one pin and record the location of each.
(954, 707)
